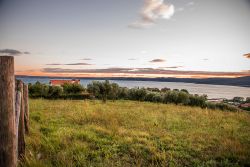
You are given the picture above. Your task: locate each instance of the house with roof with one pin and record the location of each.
(245, 105)
(61, 82)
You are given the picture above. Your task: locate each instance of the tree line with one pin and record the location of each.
(111, 91)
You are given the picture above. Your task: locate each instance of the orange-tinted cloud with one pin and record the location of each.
(172, 67)
(247, 55)
(70, 64)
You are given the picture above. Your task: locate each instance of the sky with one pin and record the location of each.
(127, 38)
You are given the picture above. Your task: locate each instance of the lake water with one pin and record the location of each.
(212, 91)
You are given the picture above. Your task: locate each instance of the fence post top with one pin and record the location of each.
(6, 57)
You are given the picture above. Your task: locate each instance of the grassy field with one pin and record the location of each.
(126, 133)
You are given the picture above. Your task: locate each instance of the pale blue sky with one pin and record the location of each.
(202, 35)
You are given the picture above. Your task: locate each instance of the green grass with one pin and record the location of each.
(127, 133)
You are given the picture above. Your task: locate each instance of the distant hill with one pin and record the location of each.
(240, 81)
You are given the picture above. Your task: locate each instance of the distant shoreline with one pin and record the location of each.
(240, 81)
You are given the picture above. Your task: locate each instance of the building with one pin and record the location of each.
(61, 82)
(245, 105)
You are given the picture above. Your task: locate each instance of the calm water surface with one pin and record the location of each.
(213, 91)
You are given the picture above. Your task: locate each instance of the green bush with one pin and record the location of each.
(137, 94)
(55, 92)
(38, 90)
(72, 88)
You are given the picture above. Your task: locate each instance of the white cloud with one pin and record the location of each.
(152, 11)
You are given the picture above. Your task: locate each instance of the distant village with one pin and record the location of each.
(239, 102)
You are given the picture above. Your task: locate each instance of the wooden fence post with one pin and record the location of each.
(8, 156)
(26, 107)
(18, 102)
(21, 127)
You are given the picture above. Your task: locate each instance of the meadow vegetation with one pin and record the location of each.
(134, 133)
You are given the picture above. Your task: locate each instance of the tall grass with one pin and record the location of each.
(127, 133)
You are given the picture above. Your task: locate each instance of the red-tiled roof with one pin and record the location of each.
(61, 82)
(245, 105)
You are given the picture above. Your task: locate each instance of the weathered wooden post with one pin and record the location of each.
(18, 102)
(26, 107)
(8, 156)
(21, 126)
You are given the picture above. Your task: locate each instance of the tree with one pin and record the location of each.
(157, 98)
(114, 92)
(185, 90)
(238, 99)
(72, 88)
(100, 90)
(165, 90)
(38, 90)
(171, 97)
(55, 92)
(105, 89)
(153, 89)
(248, 100)
(123, 93)
(137, 94)
(183, 98)
(196, 100)
(94, 88)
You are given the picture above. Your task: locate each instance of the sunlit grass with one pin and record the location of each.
(126, 133)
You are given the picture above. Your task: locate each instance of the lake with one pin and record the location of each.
(212, 91)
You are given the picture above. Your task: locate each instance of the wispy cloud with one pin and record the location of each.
(157, 61)
(172, 67)
(247, 55)
(12, 52)
(152, 11)
(86, 59)
(70, 64)
(132, 59)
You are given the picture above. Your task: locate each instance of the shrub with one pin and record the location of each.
(183, 98)
(114, 92)
(184, 90)
(137, 94)
(38, 90)
(238, 99)
(149, 96)
(72, 88)
(170, 97)
(196, 100)
(157, 98)
(123, 93)
(101, 90)
(165, 90)
(55, 92)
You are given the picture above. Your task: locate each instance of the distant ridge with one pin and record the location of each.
(240, 81)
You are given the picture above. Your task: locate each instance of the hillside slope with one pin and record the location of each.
(126, 133)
